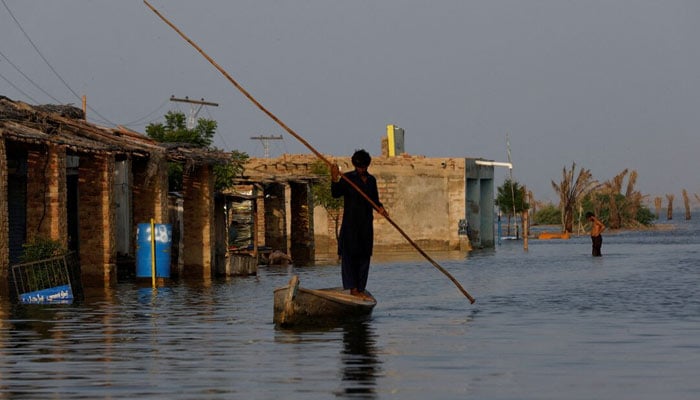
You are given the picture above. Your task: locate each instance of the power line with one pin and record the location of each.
(220, 136)
(17, 89)
(265, 140)
(191, 119)
(147, 116)
(27, 78)
(50, 66)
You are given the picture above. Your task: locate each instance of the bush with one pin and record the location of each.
(548, 215)
(645, 216)
(41, 248)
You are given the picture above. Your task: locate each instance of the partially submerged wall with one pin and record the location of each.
(425, 197)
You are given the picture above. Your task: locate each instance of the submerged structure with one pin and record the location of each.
(441, 203)
(87, 187)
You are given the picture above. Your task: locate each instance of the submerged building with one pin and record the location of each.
(438, 202)
(87, 187)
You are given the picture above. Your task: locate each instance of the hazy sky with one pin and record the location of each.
(606, 84)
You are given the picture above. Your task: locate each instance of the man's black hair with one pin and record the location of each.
(361, 158)
(589, 214)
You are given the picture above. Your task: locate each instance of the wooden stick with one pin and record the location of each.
(308, 146)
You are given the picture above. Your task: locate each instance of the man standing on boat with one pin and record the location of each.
(357, 230)
(596, 230)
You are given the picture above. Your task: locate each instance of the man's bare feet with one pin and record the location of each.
(361, 294)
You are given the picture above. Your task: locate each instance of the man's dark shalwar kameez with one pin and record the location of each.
(357, 231)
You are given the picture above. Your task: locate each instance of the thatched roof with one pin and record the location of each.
(64, 125)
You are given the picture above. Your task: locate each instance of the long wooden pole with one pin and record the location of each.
(305, 143)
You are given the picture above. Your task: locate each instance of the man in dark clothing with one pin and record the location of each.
(597, 228)
(357, 231)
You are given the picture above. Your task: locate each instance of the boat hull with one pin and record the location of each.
(302, 306)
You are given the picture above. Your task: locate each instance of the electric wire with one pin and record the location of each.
(146, 117)
(219, 136)
(105, 119)
(17, 88)
(27, 78)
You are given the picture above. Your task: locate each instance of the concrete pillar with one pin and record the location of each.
(479, 203)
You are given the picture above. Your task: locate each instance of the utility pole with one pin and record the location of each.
(195, 108)
(266, 142)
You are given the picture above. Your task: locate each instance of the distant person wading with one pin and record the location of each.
(597, 228)
(357, 231)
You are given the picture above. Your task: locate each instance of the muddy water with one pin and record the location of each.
(550, 323)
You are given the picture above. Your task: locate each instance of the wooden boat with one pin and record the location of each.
(295, 305)
(553, 235)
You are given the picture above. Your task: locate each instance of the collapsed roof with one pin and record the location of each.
(65, 125)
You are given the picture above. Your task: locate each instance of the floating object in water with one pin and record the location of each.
(554, 235)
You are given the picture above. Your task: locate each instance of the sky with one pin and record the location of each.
(608, 85)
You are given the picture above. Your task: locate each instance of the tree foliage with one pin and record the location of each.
(224, 174)
(512, 198)
(571, 191)
(616, 203)
(175, 130)
(620, 205)
(549, 214)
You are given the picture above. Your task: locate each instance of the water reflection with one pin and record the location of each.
(550, 323)
(361, 365)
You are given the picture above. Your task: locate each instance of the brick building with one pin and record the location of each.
(87, 186)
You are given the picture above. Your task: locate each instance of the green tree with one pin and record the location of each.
(225, 174)
(547, 215)
(321, 191)
(618, 208)
(511, 200)
(175, 130)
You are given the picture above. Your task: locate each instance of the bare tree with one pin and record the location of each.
(686, 203)
(613, 187)
(633, 196)
(658, 202)
(571, 191)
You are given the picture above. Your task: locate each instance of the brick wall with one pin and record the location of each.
(46, 194)
(38, 164)
(302, 224)
(425, 197)
(97, 220)
(149, 191)
(4, 222)
(198, 184)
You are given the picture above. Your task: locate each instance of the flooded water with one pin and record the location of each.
(550, 323)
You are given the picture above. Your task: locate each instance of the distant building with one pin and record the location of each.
(436, 201)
